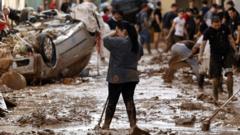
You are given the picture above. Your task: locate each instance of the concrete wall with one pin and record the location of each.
(166, 5)
(237, 4)
(34, 3)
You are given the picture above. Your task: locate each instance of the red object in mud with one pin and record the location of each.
(2, 26)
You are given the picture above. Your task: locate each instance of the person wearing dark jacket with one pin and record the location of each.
(204, 8)
(222, 48)
(191, 25)
(123, 76)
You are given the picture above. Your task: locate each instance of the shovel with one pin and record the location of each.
(206, 123)
(97, 127)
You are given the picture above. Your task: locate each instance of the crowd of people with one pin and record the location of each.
(187, 34)
(212, 30)
(192, 30)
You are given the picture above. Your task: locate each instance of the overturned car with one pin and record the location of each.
(65, 55)
(54, 48)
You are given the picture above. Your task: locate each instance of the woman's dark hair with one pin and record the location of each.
(132, 34)
(232, 9)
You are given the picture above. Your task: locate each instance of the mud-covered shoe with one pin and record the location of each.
(137, 131)
(105, 127)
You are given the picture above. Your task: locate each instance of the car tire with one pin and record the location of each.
(47, 49)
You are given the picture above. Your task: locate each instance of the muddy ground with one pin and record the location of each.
(72, 106)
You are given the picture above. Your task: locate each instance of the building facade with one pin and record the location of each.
(15, 4)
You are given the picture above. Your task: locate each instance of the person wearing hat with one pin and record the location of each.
(222, 48)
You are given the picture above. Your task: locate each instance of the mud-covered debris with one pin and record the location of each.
(5, 64)
(191, 106)
(85, 72)
(150, 72)
(46, 132)
(10, 102)
(5, 53)
(139, 131)
(167, 132)
(187, 79)
(5, 89)
(205, 97)
(28, 133)
(156, 60)
(14, 80)
(179, 96)
(68, 81)
(167, 76)
(109, 132)
(217, 124)
(229, 110)
(2, 112)
(155, 98)
(63, 110)
(6, 133)
(73, 81)
(24, 119)
(186, 121)
(51, 120)
(37, 118)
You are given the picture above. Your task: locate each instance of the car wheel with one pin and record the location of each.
(47, 50)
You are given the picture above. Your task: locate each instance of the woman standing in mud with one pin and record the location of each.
(125, 51)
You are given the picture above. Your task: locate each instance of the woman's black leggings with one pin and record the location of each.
(127, 90)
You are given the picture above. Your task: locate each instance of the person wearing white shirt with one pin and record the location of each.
(178, 29)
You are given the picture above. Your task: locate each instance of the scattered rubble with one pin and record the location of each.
(5, 89)
(13, 80)
(59, 112)
(156, 60)
(186, 121)
(77, 103)
(205, 97)
(167, 132)
(10, 102)
(186, 105)
(5, 133)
